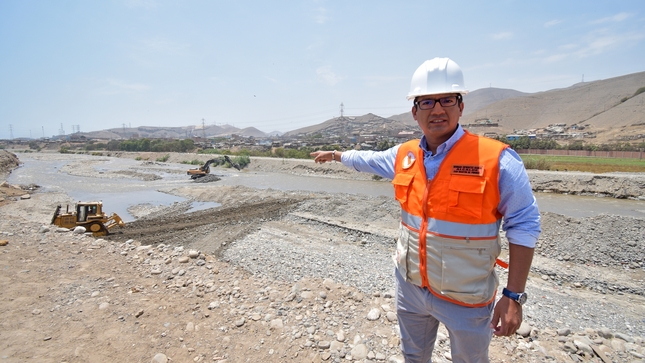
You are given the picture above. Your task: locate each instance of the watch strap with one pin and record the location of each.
(517, 297)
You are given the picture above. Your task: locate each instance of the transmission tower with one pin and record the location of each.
(10, 132)
(341, 109)
(203, 129)
(61, 131)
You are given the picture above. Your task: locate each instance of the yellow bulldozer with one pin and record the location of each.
(89, 215)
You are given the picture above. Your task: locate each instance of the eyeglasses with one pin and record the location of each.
(429, 104)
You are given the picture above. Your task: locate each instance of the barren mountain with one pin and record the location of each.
(610, 108)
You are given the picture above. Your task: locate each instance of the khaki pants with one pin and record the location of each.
(420, 312)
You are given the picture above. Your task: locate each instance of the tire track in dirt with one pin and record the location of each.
(179, 228)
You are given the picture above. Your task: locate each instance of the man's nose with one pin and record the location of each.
(437, 109)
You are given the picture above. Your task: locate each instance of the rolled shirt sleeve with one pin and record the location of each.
(380, 163)
(517, 202)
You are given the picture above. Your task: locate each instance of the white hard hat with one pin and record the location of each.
(437, 76)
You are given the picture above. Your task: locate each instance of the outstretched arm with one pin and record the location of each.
(325, 156)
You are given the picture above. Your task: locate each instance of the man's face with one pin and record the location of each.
(438, 123)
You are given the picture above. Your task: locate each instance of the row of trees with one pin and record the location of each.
(187, 145)
(154, 145)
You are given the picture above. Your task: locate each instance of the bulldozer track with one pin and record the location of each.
(231, 223)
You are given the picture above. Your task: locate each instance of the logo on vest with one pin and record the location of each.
(408, 160)
(472, 170)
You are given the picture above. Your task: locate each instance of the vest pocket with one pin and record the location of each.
(402, 188)
(467, 269)
(466, 196)
(407, 255)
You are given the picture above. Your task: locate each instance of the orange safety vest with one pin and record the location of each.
(449, 234)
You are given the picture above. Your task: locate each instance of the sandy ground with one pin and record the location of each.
(182, 287)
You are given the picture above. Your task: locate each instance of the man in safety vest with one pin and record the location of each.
(455, 190)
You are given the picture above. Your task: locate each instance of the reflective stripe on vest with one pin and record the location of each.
(446, 228)
(452, 222)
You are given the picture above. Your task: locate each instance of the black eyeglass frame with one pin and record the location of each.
(417, 104)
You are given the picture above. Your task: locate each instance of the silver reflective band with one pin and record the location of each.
(453, 228)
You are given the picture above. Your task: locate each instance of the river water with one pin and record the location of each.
(126, 192)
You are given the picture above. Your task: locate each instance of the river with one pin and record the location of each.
(126, 192)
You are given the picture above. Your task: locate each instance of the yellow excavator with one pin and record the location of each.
(205, 169)
(89, 215)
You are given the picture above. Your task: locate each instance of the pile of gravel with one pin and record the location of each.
(605, 240)
(8, 162)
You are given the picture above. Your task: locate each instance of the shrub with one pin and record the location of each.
(539, 164)
(639, 91)
(164, 158)
(242, 160)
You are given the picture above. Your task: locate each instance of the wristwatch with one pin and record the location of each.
(520, 298)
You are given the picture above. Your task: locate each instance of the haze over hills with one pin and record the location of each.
(610, 109)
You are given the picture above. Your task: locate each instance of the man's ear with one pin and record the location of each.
(414, 112)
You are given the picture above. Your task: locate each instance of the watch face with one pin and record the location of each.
(522, 298)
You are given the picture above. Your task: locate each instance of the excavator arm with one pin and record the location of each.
(235, 165)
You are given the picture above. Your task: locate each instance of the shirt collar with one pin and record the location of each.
(446, 146)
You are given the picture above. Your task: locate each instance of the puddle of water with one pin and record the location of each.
(120, 202)
(197, 206)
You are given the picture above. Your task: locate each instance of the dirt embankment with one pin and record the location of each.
(286, 277)
(9, 193)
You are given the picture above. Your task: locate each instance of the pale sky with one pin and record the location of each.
(280, 65)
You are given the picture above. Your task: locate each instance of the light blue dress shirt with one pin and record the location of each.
(517, 203)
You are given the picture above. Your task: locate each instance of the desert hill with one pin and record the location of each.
(155, 132)
(348, 125)
(600, 106)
